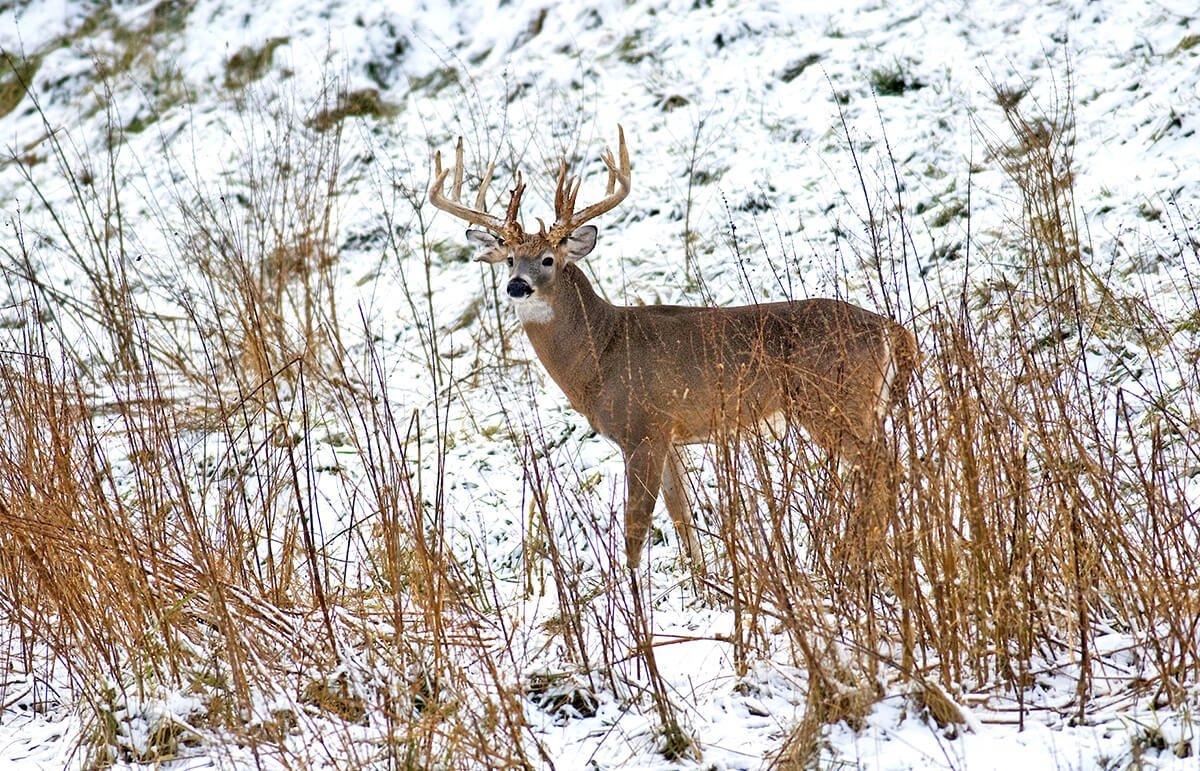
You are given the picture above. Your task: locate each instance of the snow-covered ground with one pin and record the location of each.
(750, 123)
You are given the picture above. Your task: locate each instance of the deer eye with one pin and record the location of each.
(510, 262)
(547, 261)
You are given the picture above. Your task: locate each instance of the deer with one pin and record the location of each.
(656, 378)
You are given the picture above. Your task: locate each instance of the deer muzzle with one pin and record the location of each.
(519, 288)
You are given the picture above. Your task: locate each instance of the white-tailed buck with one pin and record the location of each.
(655, 377)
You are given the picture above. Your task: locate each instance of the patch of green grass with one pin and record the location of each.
(933, 172)
(533, 30)
(435, 81)
(1174, 122)
(559, 692)
(949, 212)
(1190, 324)
(948, 252)
(16, 73)
(165, 741)
(630, 50)
(480, 57)
(894, 80)
(140, 123)
(672, 102)
(676, 744)
(447, 252)
(139, 51)
(136, 46)
(1187, 43)
(364, 103)
(797, 68)
(250, 64)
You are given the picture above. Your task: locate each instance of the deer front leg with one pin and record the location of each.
(643, 475)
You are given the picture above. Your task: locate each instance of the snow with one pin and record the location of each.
(697, 86)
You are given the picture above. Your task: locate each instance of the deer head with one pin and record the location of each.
(535, 260)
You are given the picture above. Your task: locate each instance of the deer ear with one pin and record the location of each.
(487, 246)
(581, 242)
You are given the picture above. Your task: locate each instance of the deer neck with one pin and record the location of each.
(570, 333)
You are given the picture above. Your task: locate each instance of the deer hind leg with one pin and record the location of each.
(851, 431)
(643, 476)
(884, 394)
(680, 509)
(887, 390)
(842, 432)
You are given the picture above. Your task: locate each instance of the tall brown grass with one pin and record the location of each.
(164, 495)
(1038, 498)
(165, 510)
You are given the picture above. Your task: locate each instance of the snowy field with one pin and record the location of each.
(320, 506)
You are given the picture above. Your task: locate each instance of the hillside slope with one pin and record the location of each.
(382, 537)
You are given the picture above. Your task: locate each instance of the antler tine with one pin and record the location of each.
(514, 204)
(612, 175)
(458, 170)
(560, 191)
(613, 171)
(573, 196)
(481, 196)
(623, 149)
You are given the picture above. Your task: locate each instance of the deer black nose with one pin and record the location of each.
(519, 288)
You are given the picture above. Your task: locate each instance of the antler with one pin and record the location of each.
(509, 229)
(566, 220)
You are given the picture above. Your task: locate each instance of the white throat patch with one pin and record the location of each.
(534, 310)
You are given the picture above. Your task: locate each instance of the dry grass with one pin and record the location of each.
(1023, 507)
(1029, 506)
(164, 493)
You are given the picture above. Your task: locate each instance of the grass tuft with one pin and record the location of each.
(16, 76)
(894, 80)
(364, 103)
(250, 64)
